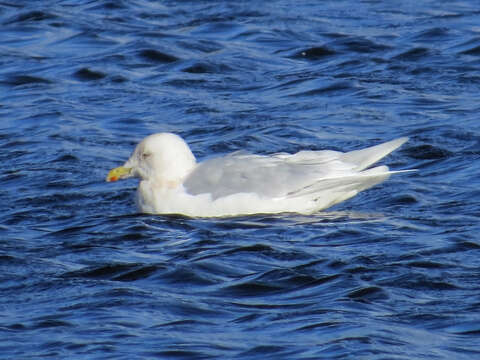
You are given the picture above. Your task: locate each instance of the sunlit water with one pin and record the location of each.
(393, 273)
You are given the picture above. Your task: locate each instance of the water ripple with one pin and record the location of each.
(392, 273)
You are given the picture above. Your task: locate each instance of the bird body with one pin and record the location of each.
(172, 182)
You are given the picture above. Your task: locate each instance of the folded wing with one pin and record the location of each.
(331, 175)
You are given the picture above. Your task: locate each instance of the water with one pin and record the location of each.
(391, 274)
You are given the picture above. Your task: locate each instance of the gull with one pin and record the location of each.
(240, 183)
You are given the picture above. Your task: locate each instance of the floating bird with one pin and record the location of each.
(172, 182)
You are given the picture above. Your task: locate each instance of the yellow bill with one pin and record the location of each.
(118, 173)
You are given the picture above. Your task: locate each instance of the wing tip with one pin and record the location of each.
(402, 140)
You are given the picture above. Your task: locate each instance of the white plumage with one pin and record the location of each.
(172, 182)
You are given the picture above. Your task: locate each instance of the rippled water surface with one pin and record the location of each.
(393, 273)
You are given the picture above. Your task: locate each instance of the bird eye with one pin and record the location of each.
(146, 155)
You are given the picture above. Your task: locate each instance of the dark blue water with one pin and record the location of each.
(393, 273)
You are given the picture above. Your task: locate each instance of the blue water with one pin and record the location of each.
(393, 273)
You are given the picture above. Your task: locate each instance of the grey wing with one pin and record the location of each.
(283, 175)
(270, 176)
